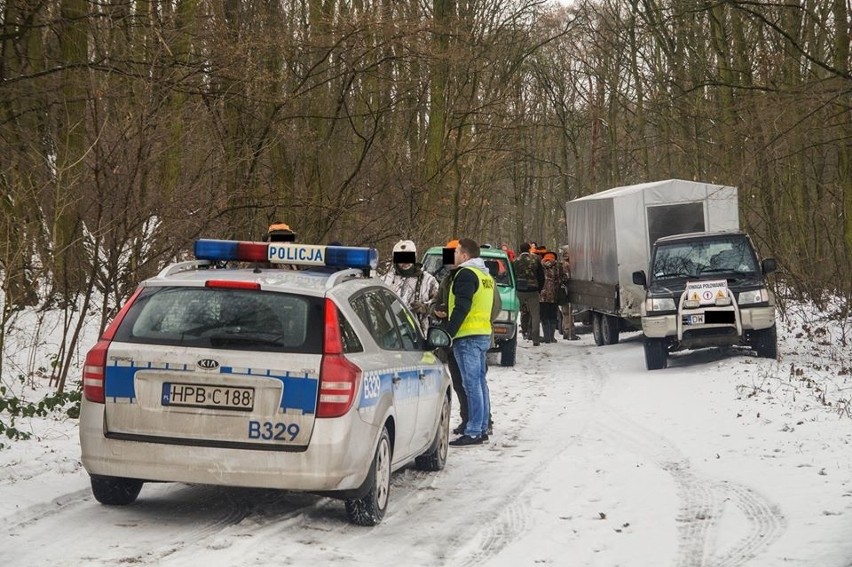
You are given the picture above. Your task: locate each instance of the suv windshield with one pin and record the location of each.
(497, 267)
(433, 263)
(694, 258)
(224, 318)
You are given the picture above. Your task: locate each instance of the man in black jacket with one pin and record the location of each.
(529, 276)
(440, 311)
(471, 302)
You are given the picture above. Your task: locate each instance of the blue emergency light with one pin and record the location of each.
(287, 253)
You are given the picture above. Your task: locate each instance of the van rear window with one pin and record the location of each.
(665, 220)
(232, 319)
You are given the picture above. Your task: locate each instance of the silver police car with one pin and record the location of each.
(314, 379)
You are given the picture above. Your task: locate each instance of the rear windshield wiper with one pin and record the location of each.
(266, 339)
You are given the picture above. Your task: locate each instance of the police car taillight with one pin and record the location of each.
(94, 371)
(338, 376)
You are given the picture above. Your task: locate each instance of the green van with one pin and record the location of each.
(505, 337)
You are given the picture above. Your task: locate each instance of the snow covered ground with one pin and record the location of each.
(722, 459)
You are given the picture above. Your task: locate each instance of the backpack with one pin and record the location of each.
(525, 273)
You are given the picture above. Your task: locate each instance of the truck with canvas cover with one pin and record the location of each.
(610, 236)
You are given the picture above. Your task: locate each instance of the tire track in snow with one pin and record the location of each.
(702, 501)
(510, 508)
(172, 519)
(765, 520)
(699, 510)
(257, 508)
(23, 518)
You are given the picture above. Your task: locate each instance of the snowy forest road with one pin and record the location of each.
(591, 463)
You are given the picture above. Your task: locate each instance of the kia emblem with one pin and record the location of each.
(208, 364)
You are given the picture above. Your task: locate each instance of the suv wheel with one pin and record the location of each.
(508, 350)
(656, 354)
(370, 508)
(765, 342)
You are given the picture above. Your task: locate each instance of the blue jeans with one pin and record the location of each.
(470, 355)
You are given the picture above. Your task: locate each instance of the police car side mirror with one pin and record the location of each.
(769, 265)
(437, 337)
(639, 278)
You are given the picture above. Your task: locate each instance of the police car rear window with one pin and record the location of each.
(233, 319)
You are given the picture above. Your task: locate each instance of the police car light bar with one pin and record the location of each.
(287, 253)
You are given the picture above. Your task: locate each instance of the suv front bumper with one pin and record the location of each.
(661, 326)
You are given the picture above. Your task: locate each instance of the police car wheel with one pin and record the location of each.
(370, 508)
(115, 491)
(435, 458)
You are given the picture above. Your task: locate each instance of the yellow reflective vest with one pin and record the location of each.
(478, 320)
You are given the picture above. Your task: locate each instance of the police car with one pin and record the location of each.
(314, 379)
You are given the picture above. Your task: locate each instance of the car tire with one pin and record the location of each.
(370, 508)
(435, 457)
(609, 329)
(656, 354)
(597, 328)
(508, 351)
(115, 491)
(765, 342)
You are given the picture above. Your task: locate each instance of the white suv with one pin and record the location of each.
(316, 379)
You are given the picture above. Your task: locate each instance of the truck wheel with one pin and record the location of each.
(609, 329)
(370, 508)
(435, 457)
(765, 342)
(656, 355)
(115, 491)
(597, 331)
(508, 349)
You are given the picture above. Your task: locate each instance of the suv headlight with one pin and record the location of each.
(754, 296)
(659, 304)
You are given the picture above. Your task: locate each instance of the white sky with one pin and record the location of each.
(721, 459)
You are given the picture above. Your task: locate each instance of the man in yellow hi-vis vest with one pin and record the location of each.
(471, 298)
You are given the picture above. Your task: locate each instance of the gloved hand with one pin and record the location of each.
(419, 307)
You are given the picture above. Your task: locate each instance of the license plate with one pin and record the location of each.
(207, 396)
(696, 319)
